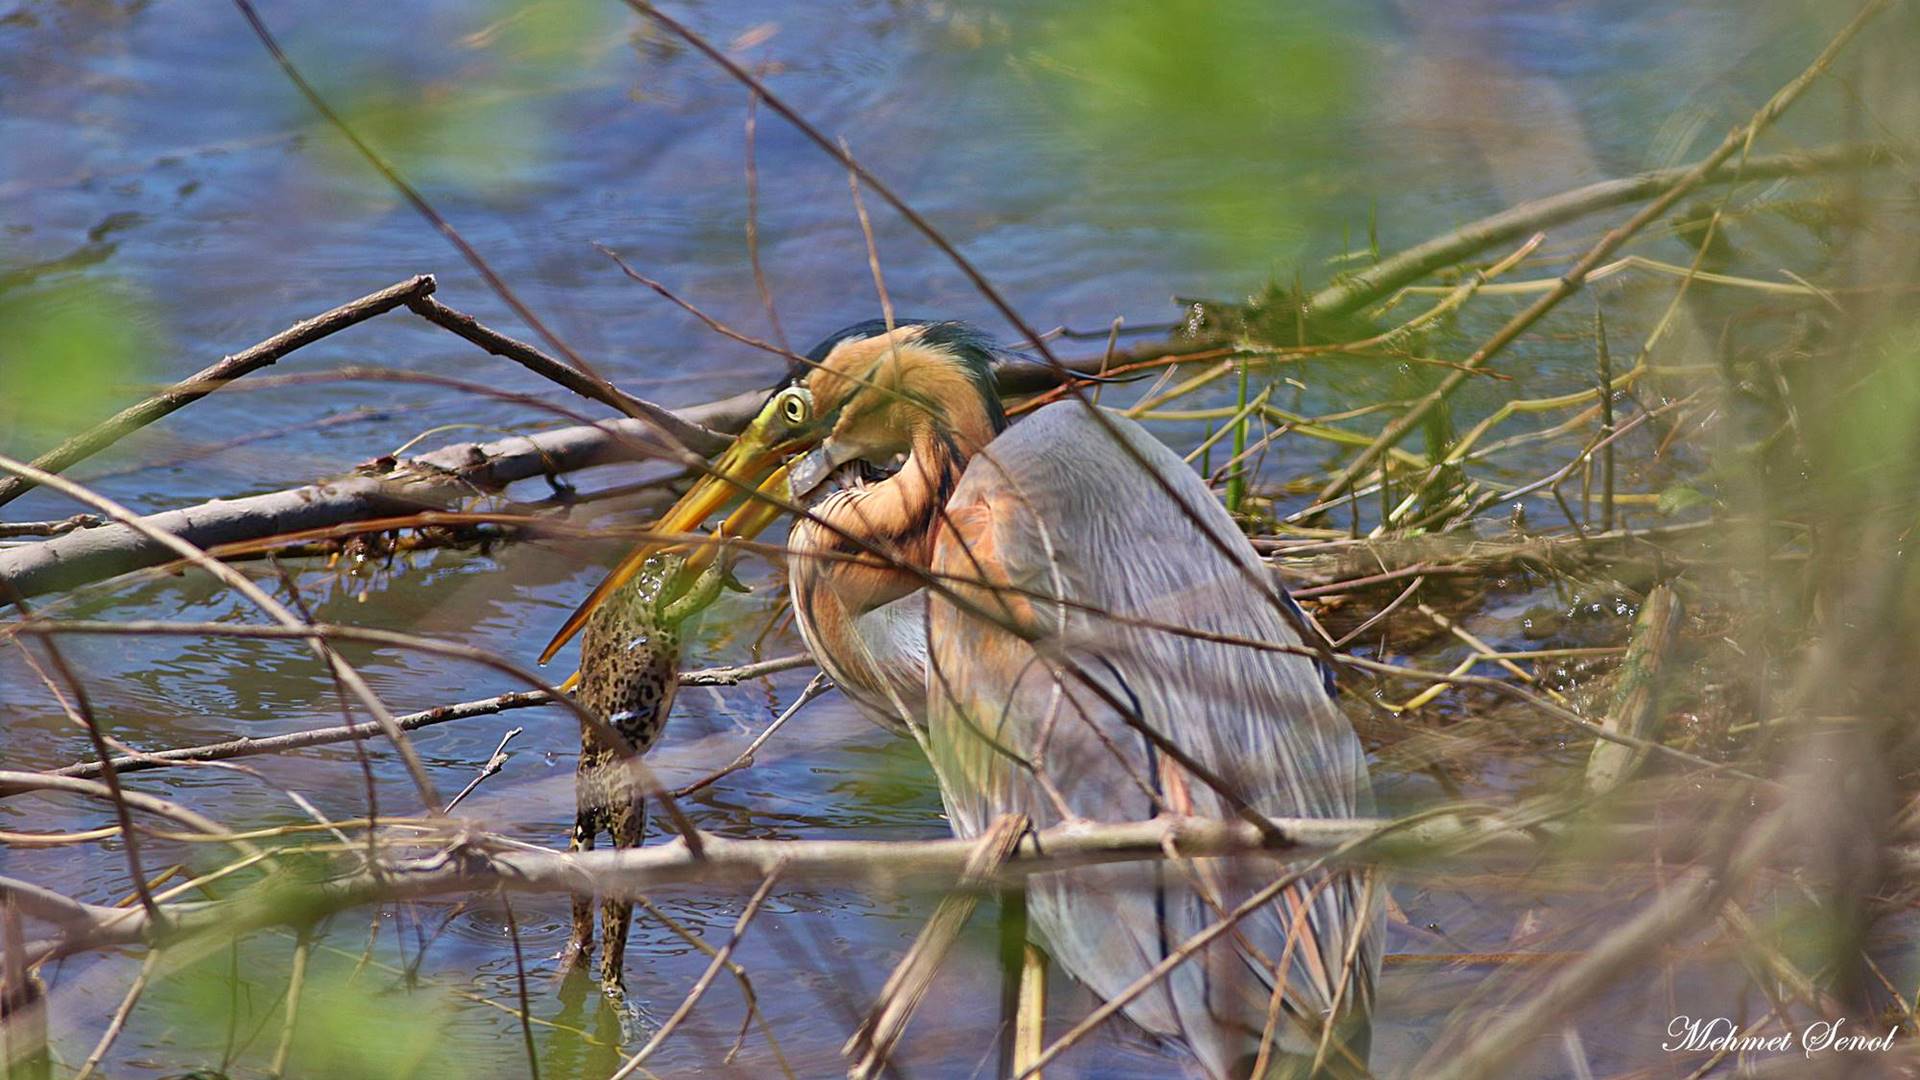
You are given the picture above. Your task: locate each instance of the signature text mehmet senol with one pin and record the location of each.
(1718, 1033)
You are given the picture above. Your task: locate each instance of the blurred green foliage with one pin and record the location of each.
(477, 121)
(70, 354)
(1870, 438)
(348, 1025)
(1226, 99)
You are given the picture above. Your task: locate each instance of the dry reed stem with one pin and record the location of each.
(872, 1044)
(1739, 139)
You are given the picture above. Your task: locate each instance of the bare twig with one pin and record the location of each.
(494, 764)
(247, 747)
(753, 224)
(816, 686)
(709, 321)
(700, 985)
(207, 380)
(689, 434)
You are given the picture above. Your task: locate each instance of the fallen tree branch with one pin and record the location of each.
(440, 480)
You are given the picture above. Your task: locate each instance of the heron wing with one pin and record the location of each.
(1085, 548)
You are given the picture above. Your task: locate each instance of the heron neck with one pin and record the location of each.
(918, 493)
(897, 519)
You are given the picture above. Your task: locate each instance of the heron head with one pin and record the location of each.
(864, 394)
(872, 396)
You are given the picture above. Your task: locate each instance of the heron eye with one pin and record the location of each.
(794, 408)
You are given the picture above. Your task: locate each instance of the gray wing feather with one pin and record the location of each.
(1072, 516)
(895, 637)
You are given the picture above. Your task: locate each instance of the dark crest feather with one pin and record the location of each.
(975, 349)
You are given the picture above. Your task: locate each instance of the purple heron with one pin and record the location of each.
(1059, 610)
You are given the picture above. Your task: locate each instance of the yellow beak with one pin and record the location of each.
(751, 463)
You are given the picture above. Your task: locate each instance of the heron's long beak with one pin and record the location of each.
(752, 463)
